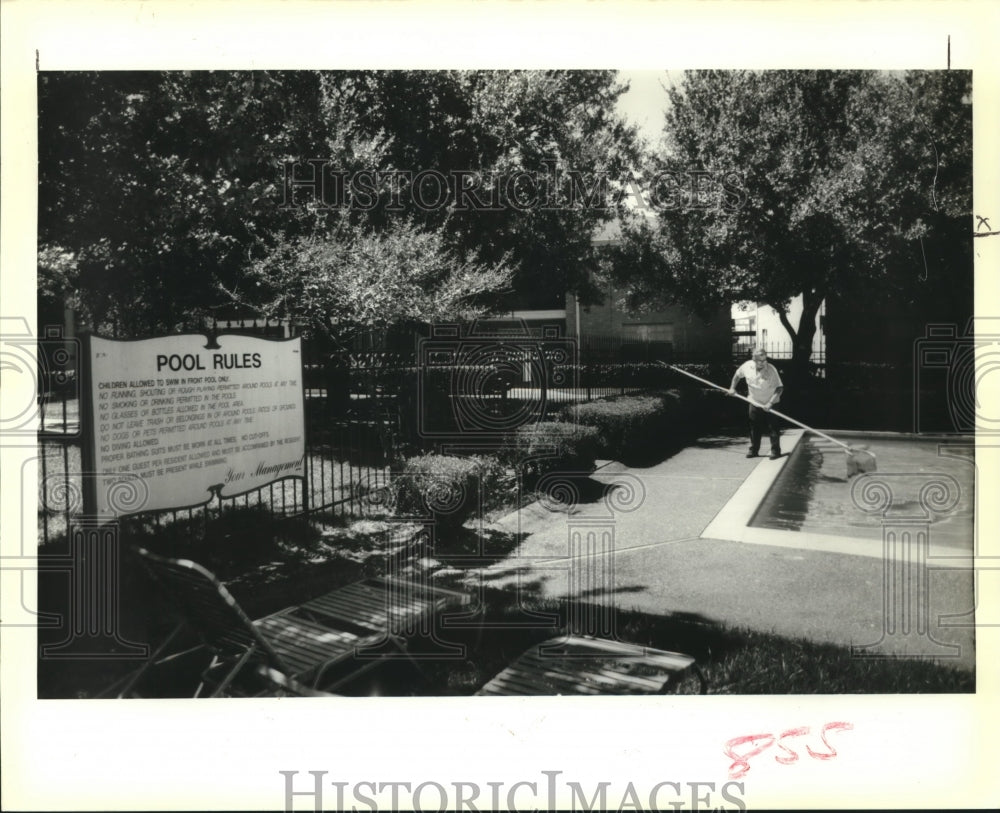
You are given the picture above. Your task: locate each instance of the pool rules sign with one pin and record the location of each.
(172, 422)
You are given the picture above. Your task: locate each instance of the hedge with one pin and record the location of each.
(552, 446)
(446, 487)
(636, 426)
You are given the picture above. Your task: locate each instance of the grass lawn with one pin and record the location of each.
(733, 660)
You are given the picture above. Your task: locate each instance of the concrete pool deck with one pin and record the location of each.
(671, 556)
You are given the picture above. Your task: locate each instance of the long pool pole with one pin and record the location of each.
(754, 403)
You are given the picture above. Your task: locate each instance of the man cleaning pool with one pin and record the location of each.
(859, 458)
(765, 387)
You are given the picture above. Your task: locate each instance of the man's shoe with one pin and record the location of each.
(752, 454)
(775, 455)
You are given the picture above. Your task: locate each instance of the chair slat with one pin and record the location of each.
(304, 640)
(583, 665)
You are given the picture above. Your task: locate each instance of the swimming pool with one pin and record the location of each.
(812, 494)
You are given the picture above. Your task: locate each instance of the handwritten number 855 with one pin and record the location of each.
(761, 742)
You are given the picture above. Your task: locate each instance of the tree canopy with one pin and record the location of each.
(819, 183)
(161, 194)
(353, 277)
(154, 186)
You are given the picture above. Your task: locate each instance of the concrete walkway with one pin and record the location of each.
(654, 519)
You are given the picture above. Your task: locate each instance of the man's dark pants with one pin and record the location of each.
(762, 420)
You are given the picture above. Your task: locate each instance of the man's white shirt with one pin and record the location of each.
(761, 383)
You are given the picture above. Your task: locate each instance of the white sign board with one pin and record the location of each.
(183, 419)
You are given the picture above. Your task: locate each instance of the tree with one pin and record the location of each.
(481, 131)
(164, 187)
(161, 194)
(355, 278)
(843, 179)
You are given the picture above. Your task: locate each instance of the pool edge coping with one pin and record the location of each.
(732, 523)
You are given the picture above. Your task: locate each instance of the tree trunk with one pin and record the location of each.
(802, 337)
(802, 346)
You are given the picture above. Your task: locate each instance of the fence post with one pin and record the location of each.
(88, 437)
(305, 429)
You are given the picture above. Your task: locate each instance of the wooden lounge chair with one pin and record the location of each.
(358, 625)
(576, 664)
(573, 665)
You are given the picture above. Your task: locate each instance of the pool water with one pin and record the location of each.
(812, 493)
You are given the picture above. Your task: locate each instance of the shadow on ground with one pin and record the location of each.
(470, 549)
(510, 620)
(722, 438)
(509, 614)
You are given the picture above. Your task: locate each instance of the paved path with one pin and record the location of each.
(663, 567)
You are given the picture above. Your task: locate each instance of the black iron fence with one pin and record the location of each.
(352, 435)
(782, 351)
(367, 409)
(346, 463)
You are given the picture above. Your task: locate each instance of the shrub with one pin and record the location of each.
(445, 486)
(635, 426)
(623, 424)
(552, 446)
